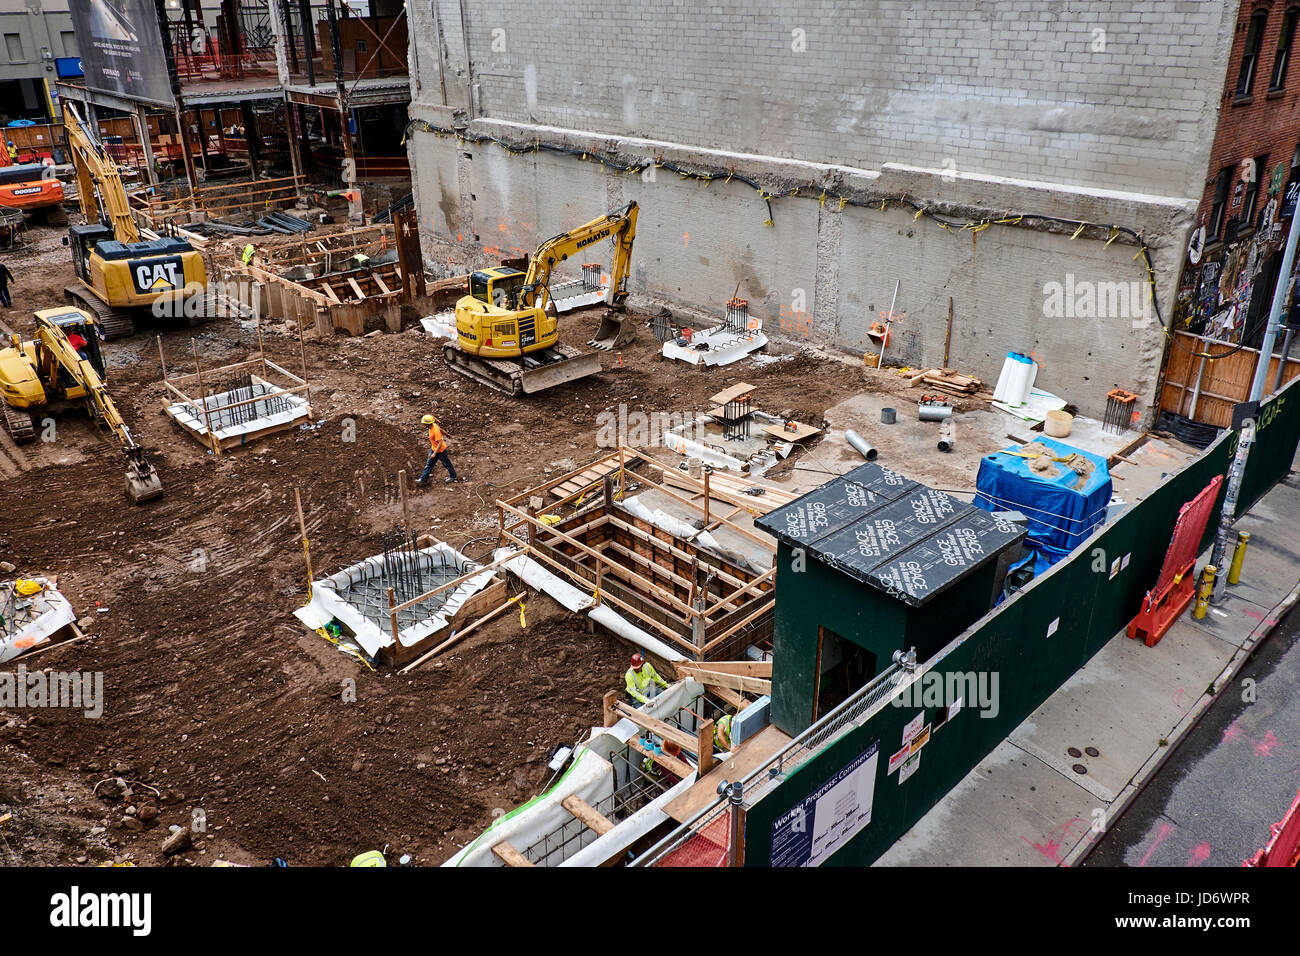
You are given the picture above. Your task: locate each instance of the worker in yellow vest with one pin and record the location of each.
(641, 680)
(249, 254)
(722, 732)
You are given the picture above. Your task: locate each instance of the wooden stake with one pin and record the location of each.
(704, 743)
(162, 358)
(947, 338)
(406, 508)
(203, 400)
(392, 615)
(707, 472)
(302, 526)
(608, 711)
(460, 635)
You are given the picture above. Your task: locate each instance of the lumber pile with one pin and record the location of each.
(947, 380)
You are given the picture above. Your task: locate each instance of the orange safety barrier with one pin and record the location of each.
(706, 847)
(1283, 848)
(1175, 586)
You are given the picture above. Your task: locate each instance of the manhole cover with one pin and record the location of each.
(1079, 768)
(1075, 752)
(1092, 751)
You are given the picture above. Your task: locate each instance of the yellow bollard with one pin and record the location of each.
(1206, 591)
(1238, 556)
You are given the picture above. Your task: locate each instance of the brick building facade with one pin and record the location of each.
(1235, 249)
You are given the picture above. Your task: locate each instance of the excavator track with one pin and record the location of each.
(19, 425)
(536, 372)
(113, 323)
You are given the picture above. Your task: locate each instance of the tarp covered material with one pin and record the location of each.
(1062, 508)
(31, 621)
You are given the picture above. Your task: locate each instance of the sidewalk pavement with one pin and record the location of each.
(1024, 805)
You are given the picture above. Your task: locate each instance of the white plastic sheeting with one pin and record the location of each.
(192, 417)
(591, 777)
(539, 579)
(38, 618)
(724, 347)
(326, 603)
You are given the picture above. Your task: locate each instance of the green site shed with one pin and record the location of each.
(869, 564)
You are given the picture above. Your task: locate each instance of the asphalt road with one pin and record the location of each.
(1232, 777)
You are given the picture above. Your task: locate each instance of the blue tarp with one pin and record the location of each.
(1062, 510)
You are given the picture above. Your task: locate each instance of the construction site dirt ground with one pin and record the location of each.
(215, 697)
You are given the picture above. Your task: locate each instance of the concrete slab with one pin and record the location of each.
(1124, 695)
(1009, 811)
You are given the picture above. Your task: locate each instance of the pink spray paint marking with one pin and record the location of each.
(1052, 848)
(1199, 854)
(1165, 830)
(1264, 747)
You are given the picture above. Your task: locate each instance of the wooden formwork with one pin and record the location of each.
(220, 199)
(701, 602)
(183, 388)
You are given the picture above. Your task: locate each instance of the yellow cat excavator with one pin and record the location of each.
(63, 367)
(507, 328)
(121, 274)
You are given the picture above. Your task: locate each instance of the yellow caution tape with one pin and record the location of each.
(523, 621)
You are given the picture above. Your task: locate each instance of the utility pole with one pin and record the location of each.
(1275, 312)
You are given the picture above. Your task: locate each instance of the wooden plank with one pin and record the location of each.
(356, 288)
(330, 292)
(742, 668)
(508, 855)
(704, 746)
(732, 393)
(802, 432)
(678, 768)
(750, 685)
(589, 815)
(747, 758)
(380, 282)
(658, 727)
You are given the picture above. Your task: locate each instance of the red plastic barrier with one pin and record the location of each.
(1176, 586)
(1283, 848)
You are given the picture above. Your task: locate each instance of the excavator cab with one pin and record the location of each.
(74, 321)
(499, 286)
(83, 240)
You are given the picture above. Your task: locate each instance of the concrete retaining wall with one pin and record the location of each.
(982, 109)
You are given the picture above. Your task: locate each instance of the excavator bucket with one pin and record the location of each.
(613, 332)
(143, 487)
(557, 373)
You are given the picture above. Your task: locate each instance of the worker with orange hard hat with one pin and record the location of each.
(642, 681)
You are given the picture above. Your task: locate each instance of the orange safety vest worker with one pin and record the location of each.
(436, 441)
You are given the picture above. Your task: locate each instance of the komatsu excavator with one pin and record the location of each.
(49, 372)
(120, 274)
(507, 328)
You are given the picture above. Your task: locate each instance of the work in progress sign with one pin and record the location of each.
(826, 820)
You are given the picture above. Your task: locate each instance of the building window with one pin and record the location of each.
(1250, 55)
(1220, 203)
(70, 47)
(1278, 80)
(1249, 196)
(14, 46)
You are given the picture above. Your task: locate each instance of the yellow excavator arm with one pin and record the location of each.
(56, 353)
(619, 226)
(99, 184)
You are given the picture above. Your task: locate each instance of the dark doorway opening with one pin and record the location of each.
(842, 669)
